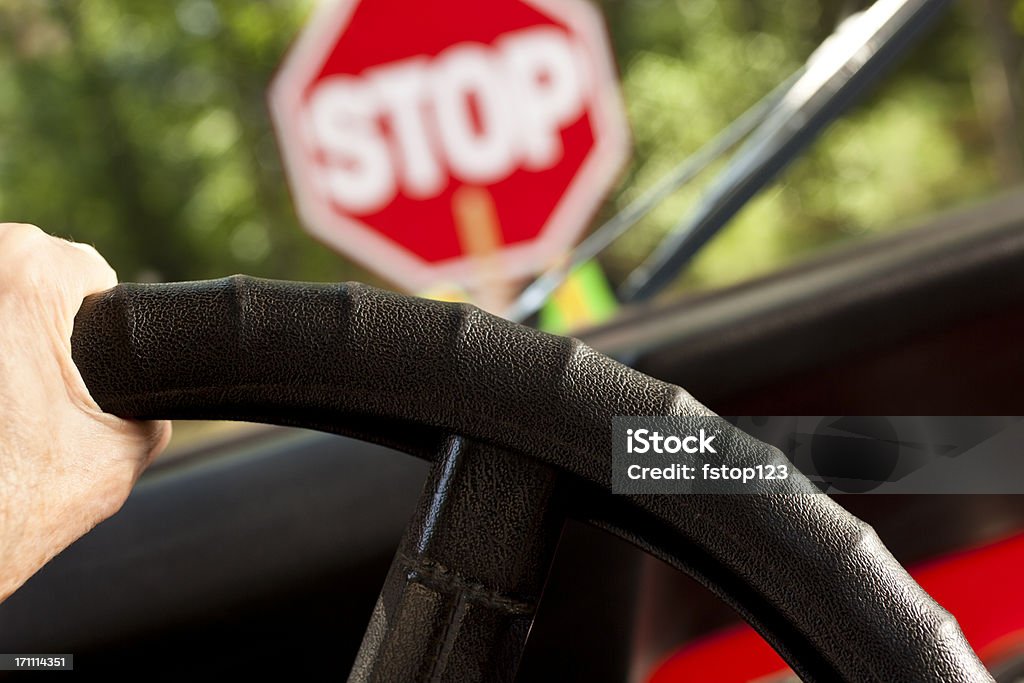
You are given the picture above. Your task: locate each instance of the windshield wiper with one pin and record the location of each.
(849, 61)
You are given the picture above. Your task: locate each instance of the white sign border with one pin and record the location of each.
(363, 244)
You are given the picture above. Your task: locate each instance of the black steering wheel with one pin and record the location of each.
(518, 426)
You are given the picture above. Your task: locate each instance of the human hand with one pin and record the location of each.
(65, 465)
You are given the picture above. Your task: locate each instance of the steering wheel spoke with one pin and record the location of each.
(459, 600)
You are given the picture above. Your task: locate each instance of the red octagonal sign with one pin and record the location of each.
(450, 140)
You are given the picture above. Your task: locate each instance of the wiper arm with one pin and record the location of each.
(853, 58)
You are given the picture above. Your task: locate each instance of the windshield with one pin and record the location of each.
(143, 128)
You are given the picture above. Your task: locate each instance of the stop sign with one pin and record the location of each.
(427, 138)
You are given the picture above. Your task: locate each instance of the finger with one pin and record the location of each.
(34, 262)
(90, 273)
(91, 270)
(22, 247)
(62, 273)
(17, 232)
(146, 441)
(160, 436)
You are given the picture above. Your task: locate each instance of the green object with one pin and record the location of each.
(583, 300)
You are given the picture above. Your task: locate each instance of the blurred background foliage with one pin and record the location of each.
(142, 127)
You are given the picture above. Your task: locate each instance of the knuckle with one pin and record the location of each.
(88, 250)
(19, 231)
(31, 258)
(92, 260)
(25, 251)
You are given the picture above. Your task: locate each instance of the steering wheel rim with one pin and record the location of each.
(408, 373)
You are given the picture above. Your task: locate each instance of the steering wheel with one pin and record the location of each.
(518, 426)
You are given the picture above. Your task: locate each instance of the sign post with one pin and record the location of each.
(451, 141)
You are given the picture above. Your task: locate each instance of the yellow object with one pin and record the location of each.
(446, 292)
(583, 300)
